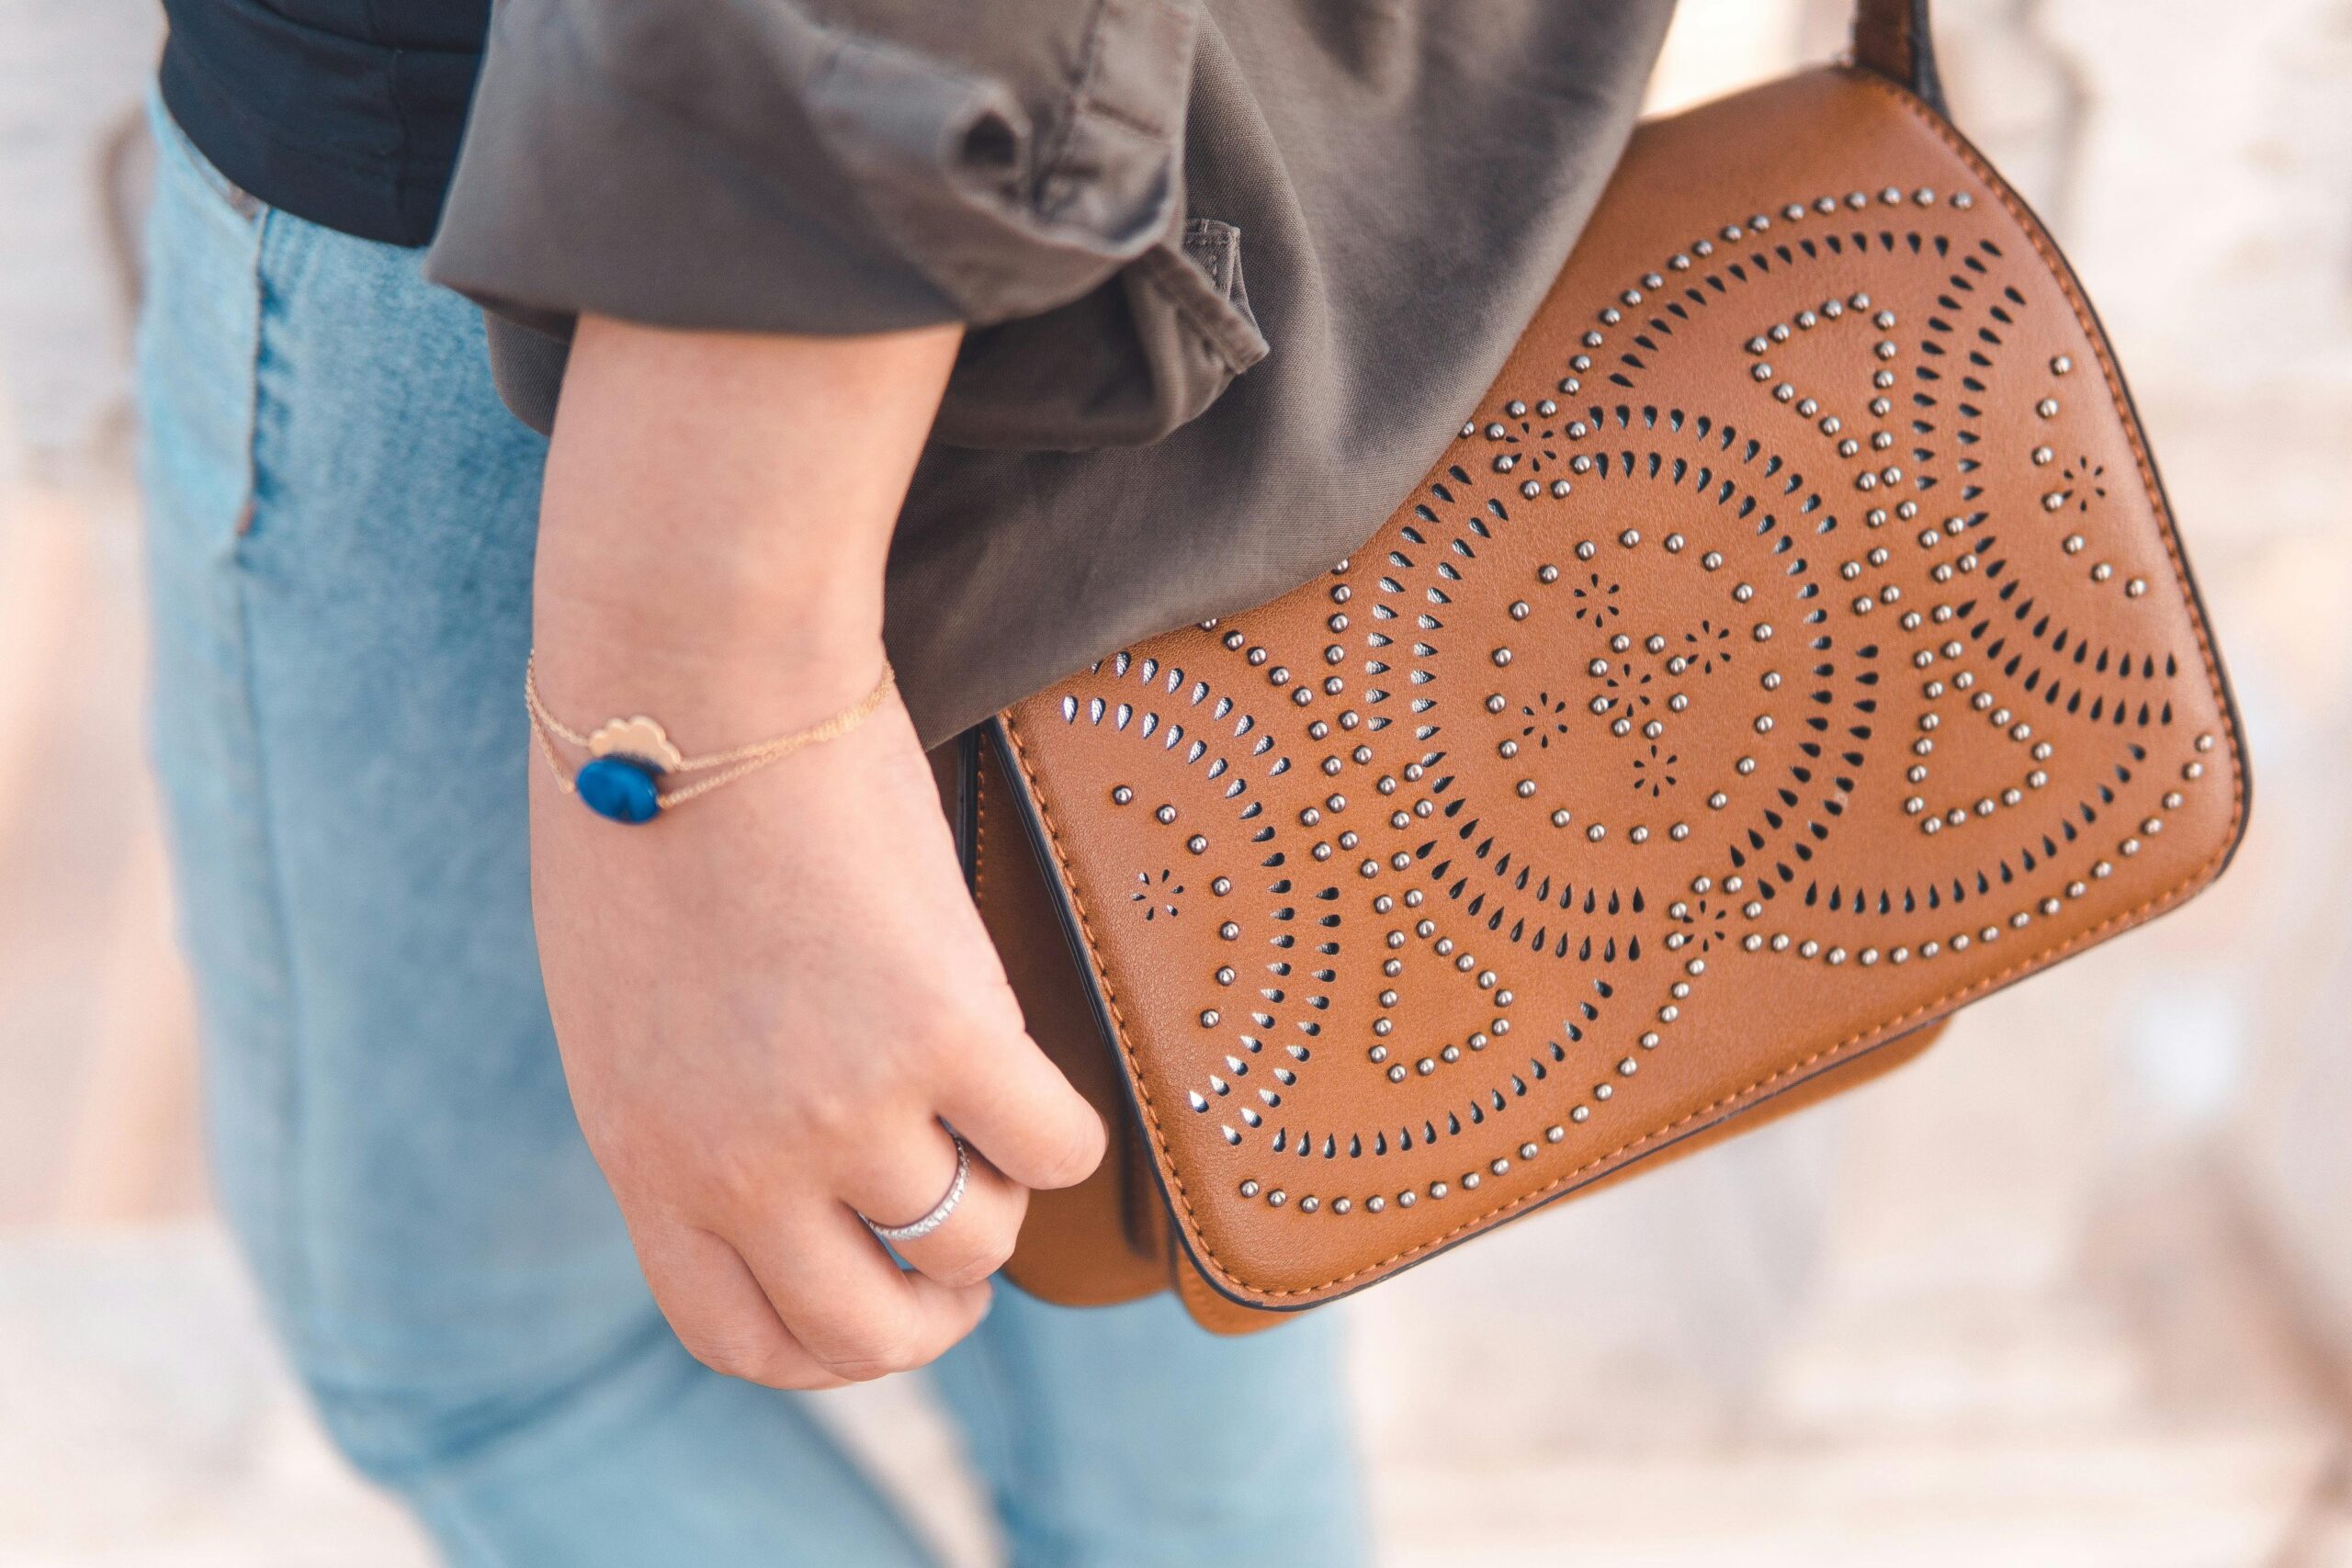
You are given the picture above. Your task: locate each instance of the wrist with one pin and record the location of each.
(711, 691)
(715, 516)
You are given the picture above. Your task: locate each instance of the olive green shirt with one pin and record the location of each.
(1234, 271)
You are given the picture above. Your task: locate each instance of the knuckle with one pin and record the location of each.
(831, 1115)
(743, 1177)
(974, 1262)
(844, 1109)
(1079, 1148)
(944, 1035)
(997, 1008)
(967, 1271)
(877, 1353)
(974, 1271)
(741, 1358)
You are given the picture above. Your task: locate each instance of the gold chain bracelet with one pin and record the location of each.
(628, 758)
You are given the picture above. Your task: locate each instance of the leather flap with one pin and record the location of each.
(1793, 646)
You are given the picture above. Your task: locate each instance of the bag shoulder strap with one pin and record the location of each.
(1891, 37)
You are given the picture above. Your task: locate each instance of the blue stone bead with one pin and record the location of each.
(620, 788)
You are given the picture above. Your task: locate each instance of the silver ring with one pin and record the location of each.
(946, 1206)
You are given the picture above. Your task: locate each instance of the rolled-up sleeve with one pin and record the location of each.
(837, 166)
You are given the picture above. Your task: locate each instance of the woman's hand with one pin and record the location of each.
(770, 999)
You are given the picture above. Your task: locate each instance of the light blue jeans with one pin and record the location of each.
(341, 522)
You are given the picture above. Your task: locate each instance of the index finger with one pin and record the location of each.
(1014, 1106)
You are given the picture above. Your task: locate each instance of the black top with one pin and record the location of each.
(345, 112)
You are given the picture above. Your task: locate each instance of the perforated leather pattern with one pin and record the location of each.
(1794, 646)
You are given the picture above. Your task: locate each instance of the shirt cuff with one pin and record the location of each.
(739, 164)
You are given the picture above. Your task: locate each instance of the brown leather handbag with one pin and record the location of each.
(1793, 647)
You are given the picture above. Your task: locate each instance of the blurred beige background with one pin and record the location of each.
(2075, 1290)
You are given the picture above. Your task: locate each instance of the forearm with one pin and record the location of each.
(773, 1005)
(717, 514)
